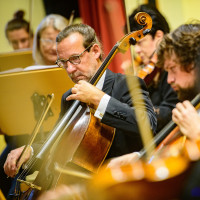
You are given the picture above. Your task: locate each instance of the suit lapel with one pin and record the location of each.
(108, 83)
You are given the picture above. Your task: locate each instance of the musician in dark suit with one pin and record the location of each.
(119, 112)
(163, 97)
(80, 53)
(112, 104)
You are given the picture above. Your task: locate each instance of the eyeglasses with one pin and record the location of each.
(75, 60)
(47, 42)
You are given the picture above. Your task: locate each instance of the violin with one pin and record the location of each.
(160, 176)
(149, 72)
(87, 139)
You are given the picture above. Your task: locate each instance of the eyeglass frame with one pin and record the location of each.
(78, 56)
(48, 41)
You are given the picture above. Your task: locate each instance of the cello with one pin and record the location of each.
(64, 132)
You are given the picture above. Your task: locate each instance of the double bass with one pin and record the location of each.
(87, 139)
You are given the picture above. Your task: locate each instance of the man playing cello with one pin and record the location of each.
(79, 53)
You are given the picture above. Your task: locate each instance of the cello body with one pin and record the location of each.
(159, 177)
(83, 148)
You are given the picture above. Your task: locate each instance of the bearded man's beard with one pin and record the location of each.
(189, 93)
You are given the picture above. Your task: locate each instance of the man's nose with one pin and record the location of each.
(54, 46)
(21, 45)
(70, 67)
(170, 78)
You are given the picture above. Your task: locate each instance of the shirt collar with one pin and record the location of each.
(101, 81)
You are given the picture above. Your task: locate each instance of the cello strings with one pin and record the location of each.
(30, 163)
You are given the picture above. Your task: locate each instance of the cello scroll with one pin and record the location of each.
(143, 19)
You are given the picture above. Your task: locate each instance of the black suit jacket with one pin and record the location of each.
(164, 99)
(120, 113)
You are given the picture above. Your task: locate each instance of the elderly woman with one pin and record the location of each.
(44, 44)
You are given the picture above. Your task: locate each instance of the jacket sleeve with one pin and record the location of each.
(120, 112)
(164, 99)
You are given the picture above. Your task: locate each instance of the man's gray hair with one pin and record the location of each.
(88, 33)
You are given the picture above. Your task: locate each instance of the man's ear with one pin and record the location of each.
(96, 50)
(158, 36)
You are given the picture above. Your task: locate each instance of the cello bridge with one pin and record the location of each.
(31, 185)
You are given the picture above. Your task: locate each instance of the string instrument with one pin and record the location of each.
(149, 72)
(160, 176)
(27, 147)
(87, 140)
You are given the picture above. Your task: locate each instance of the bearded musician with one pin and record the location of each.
(179, 53)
